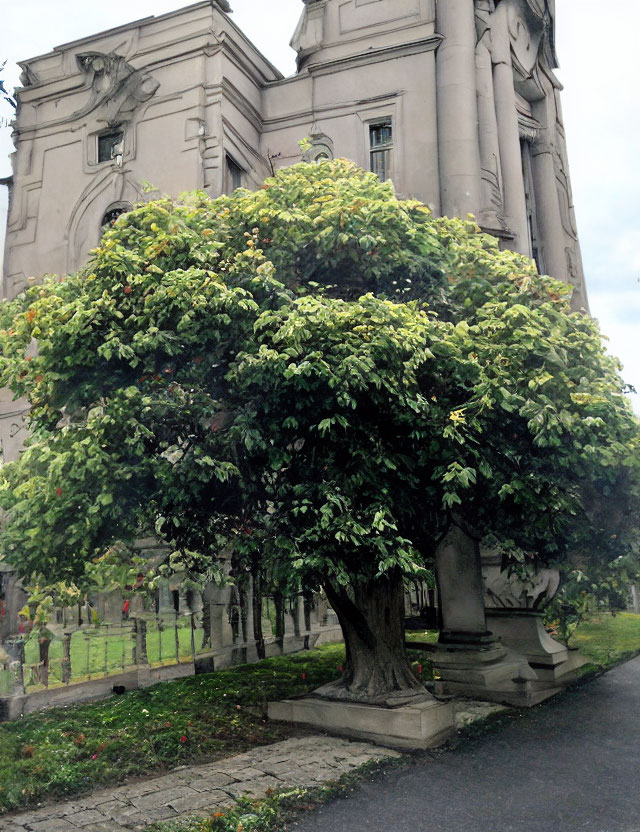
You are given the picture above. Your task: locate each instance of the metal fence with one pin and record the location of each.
(70, 662)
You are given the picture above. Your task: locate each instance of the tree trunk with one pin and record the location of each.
(257, 613)
(377, 669)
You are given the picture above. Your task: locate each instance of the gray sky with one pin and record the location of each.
(600, 108)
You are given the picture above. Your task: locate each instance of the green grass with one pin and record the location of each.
(64, 752)
(608, 639)
(60, 753)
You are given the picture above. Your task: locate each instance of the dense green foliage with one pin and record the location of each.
(317, 379)
(194, 380)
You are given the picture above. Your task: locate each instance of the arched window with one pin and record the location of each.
(113, 212)
(320, 150)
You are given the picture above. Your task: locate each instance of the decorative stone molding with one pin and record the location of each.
(509, 591)
(116, 85)
(321, 148)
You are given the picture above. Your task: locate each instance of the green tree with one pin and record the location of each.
(266, 374)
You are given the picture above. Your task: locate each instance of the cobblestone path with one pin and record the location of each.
(307, 761)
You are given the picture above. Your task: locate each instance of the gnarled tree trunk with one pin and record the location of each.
(377, 669)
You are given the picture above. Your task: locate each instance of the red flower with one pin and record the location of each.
(167, 725)
(183, 738)
(94, 756)
(59, 491)
(127, 290)
(38, 379)
(420, 669)
(304, 676)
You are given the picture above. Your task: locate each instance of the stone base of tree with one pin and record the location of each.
(523, 632)
(424, 723)
(482, 668)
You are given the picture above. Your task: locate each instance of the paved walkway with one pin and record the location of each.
(308, 761)
(570, 765)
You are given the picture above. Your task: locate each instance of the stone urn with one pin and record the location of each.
(515, 609)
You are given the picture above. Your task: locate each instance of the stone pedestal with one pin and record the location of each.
(523, 631)
(482, 668)
(469, 660)
(422, 724)
(515, 614)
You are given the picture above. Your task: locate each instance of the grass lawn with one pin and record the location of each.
(108, 649)
(67, 751)
(608, 639)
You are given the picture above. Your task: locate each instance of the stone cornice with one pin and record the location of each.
(375, 56)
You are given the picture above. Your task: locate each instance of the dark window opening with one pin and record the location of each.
(111, 216)
(234, 175)
(380, 148)
(109, 145)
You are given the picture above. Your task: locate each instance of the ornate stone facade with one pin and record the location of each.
(465, 91)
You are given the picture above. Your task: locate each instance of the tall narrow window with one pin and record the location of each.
(380, 148)
(109, 145)
(234, 175)
(530, 200)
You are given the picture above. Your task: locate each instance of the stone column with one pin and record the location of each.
(545, 185)
(515, 207)
(548, 210)
(459, 155)
(470, 660)
(490, 216)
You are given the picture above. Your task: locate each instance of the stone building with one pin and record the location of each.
(455, 101)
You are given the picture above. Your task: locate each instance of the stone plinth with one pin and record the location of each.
(484, 669)
(524, 631)
(423, 724)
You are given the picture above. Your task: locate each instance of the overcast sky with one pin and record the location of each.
(600, 108)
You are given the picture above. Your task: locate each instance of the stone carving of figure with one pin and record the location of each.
(114, 84)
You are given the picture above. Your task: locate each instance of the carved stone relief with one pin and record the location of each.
(116, 85)
(504, 591)
(526, 35)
